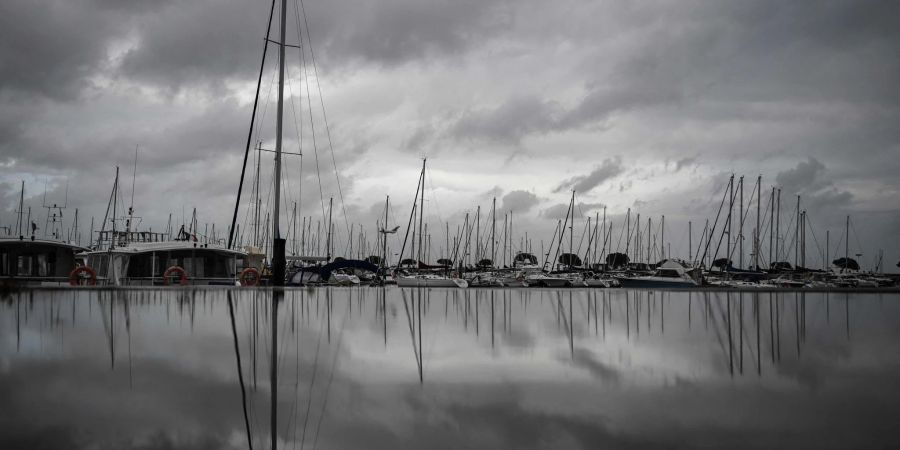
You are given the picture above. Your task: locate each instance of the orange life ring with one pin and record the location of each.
(182, 274)
(249, 277)
(77, 276)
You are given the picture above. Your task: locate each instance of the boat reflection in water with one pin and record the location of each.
(450, 368)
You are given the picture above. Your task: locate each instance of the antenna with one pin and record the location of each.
(128, 223)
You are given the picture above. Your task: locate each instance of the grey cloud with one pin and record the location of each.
(52, 48)
(607, 170)
(508, 122)
(685, 162)
(558, 211)
(805, 176)
(397, 31)
(809, 180)
(202, 43)
(519, 201)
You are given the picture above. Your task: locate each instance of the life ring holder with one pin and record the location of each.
(249, 277)
(77, 276)
(182, 275)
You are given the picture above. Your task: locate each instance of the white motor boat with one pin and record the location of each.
(670, 273)
(544, 280)
(30, 261)
(164, 262)
(430, 280)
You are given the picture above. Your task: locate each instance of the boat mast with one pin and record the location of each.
(741, 228)
(421, 212)
(572, 229)
(478, 235)
(662, 231)
(20, 224)
(756, 235)
(627, 231)
(847, 245)
(493, 232)
(329, 228)
(690, 236)
(778, 240)
(797, 234)
(278, 261)
(387, 201)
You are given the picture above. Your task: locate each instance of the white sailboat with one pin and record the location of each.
(424, 279)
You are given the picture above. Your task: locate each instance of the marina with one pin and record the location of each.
(300, 224)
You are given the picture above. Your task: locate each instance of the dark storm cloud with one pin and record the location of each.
(805, 176)
(52, 48)
(519, 201)
(607, 170)
(506, 123)
(521, 116)
(809, 179)
(198, 43)
(394, 32)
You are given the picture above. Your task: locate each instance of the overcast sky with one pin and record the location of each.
(648, 105)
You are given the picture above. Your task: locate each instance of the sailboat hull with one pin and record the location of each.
(431, 282)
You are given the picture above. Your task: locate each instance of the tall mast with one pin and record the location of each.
(478, 235)
(797, 235)
(329, 239)
(662, 231)
(493, 232)
(847, 245)
(728, 223)
(627, 230)
(741, 228)
(505, 235)
(778, 228)
(114, 198)
(637, 238)
(756, 236)
(278, 262)
(387, 202)
(690, 255)
(572, 228)
(772, 228)
(20, 224)
(131, 206)
(421, 212)
(603, 250)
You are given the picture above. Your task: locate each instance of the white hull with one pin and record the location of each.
(431, 281)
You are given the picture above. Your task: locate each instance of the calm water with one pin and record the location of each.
(407, 368)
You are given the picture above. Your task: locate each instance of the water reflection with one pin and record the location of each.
(388, 367)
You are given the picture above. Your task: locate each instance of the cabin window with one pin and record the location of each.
(24, 265)
(669, 273)
(42, 265)
(4, 263)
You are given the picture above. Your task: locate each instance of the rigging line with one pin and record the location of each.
(856, 236)
(312, 126)
(237, 203)
(434, 201)
(715, 222)
(312, 383)
(337, 351)
(312, 55)
(237, 354)
(821, 254)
